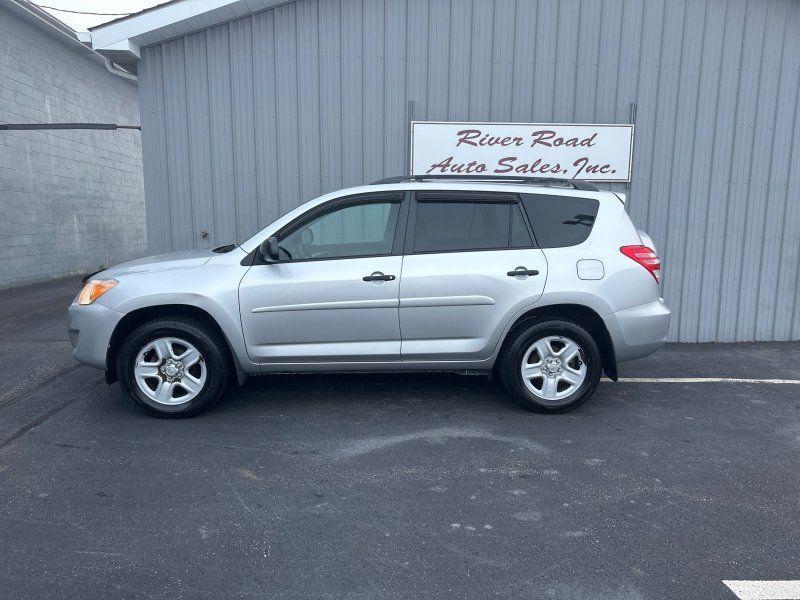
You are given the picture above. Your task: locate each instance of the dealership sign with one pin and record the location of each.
(586, 152)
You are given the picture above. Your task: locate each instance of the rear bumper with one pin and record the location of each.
(639, 330)
(90, 329)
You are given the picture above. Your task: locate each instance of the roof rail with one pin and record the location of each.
(548, 181)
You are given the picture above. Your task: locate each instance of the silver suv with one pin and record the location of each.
(546, 284)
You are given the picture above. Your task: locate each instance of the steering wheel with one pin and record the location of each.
(286, 252)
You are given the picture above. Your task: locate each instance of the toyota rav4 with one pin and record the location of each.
(544, 283)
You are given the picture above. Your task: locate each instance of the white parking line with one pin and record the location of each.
(707, 380)
(765, 590)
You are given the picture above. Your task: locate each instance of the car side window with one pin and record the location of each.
(452, 225)
(520, 236)
(362, 229)
(560, 221)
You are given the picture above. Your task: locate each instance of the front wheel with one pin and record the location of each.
(552, 366)
(173, 367)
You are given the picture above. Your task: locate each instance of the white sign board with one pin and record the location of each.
(585, 152)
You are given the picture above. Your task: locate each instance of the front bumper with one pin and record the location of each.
(640, 330)
(90, 329)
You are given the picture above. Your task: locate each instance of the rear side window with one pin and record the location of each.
(560, 221)
(520, 236)
(450, 226)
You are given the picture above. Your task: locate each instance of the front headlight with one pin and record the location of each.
(94, 289)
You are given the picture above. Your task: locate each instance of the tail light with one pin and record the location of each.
(645, 256)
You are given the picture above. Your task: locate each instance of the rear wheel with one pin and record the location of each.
(552, 366)
(173, 367)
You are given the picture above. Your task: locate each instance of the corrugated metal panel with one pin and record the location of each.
(351, 19)
(785, 184)
(243, 117)
(700, 78)
(201, 198)
(245, 120)
(265, 123)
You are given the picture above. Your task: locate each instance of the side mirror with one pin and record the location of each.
(269, 250)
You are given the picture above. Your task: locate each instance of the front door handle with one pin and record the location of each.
(378, 276)
(522, 271)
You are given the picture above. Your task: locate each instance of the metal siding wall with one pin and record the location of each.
(199, 136)
(351, 20)
(374, 87)
(219, 105)
(331, 106)
(243, 118)
(246, 120)
(781, 312)
(265, 122)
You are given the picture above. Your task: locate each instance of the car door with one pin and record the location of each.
(333, 294)
(470, 265)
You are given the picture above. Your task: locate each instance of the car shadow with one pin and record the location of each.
(367, 391)
(365, 396)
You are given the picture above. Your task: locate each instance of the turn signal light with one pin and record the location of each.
(646, 257)
(94, 289)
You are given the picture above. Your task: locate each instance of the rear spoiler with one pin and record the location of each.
(647, 240)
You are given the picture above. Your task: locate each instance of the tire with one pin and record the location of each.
(561, 380)
(153, 357)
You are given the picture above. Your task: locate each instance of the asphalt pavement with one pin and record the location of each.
(394, 486)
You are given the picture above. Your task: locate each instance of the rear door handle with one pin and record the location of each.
(522, 271)
(378, 276)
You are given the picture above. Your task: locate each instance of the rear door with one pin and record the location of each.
(470, 265)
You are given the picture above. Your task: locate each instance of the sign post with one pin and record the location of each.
(586, 152)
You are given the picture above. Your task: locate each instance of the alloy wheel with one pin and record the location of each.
(170, 371)
(553, 368)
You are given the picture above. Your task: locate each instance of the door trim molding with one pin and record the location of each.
(338, 305)
(446, 301)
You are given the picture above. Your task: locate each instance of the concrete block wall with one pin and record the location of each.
(71, 201)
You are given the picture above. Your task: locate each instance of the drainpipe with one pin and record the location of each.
(81, 38)
(85, 39)
(112, 68)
